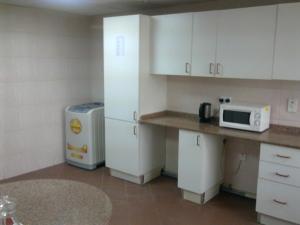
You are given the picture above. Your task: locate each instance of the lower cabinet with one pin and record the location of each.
(122, 146)
(134, 152)
(278, 190)
(199, 165)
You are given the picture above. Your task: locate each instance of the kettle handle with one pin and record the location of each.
(201, 110)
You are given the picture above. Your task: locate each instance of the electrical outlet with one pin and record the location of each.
(224, 100)
(292, 105)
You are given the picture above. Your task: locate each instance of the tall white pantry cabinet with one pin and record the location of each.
(133, 151)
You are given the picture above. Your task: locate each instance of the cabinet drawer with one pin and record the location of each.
(278, 200)
(278, 154)
(279, 173)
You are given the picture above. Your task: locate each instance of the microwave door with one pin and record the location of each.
(239, 118)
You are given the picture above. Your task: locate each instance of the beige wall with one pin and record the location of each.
(97, 59)
(185, 95)
(45, 65)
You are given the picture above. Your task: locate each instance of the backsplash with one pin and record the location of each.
(45, 61)
(186, 93)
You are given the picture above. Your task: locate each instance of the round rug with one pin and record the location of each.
(58, 202)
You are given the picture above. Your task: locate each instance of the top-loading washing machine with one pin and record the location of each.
(85, 135)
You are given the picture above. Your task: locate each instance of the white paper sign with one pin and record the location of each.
(120, 45)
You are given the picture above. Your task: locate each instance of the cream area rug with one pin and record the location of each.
(58, 202)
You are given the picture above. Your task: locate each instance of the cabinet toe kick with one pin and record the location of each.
(201, 198)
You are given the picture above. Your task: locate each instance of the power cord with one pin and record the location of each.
(237, 170)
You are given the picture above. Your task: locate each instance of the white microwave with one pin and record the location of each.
(245, 116)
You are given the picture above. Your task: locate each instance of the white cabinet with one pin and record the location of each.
(246, 42)
(190, 167)
(278, 187)
(121, 70)
(199, 165)
(133, 151)
(280, 155)
(287, 45)
(128, 93)
(122, 152)
(204, 43)
(279, 173)
(171, 37)
(278, 200)
(236, 43)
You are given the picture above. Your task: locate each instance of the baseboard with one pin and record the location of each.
(136, 179)
(127, 177)
(238, 192)
(193, 197)
(152, 175)
(85, 166)
(268, 220)
(169, 174)
(203, 197)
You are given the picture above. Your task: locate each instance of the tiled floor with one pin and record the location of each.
(156, 203)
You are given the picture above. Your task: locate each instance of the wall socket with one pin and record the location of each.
(225, 100)
(292, 105)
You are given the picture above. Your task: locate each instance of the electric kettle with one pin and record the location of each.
(205, 112)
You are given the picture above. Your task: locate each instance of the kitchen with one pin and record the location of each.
(249, 55)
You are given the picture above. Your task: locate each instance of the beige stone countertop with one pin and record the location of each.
(277, 135)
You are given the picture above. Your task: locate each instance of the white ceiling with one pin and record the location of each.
(99, 7)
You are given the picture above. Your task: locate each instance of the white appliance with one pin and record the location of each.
(85, 135)
(245, 116)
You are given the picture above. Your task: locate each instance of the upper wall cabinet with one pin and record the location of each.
(204, 43)
(237, 43)
(171, 44)
(287, 47)
(245, 44)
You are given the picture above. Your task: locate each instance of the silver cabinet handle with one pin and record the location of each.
(282, 175)
(198, 140)
(211, 68)
(187, 68)
(134, 130)
(279, 202)
(218, 68)
(134, 115)
(283, 156)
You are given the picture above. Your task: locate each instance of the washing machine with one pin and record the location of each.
(85, 135)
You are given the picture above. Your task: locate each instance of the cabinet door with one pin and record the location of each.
(204, 43)
(121, 66)
(121, 146)
(287, 47)
(246, 42)
(171, 44)
(190, 164)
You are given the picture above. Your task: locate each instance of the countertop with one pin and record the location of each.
(277, 135)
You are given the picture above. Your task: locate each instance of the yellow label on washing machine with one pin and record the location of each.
(267, 108)
(76, 156)
(75, 126)
(83, 149)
